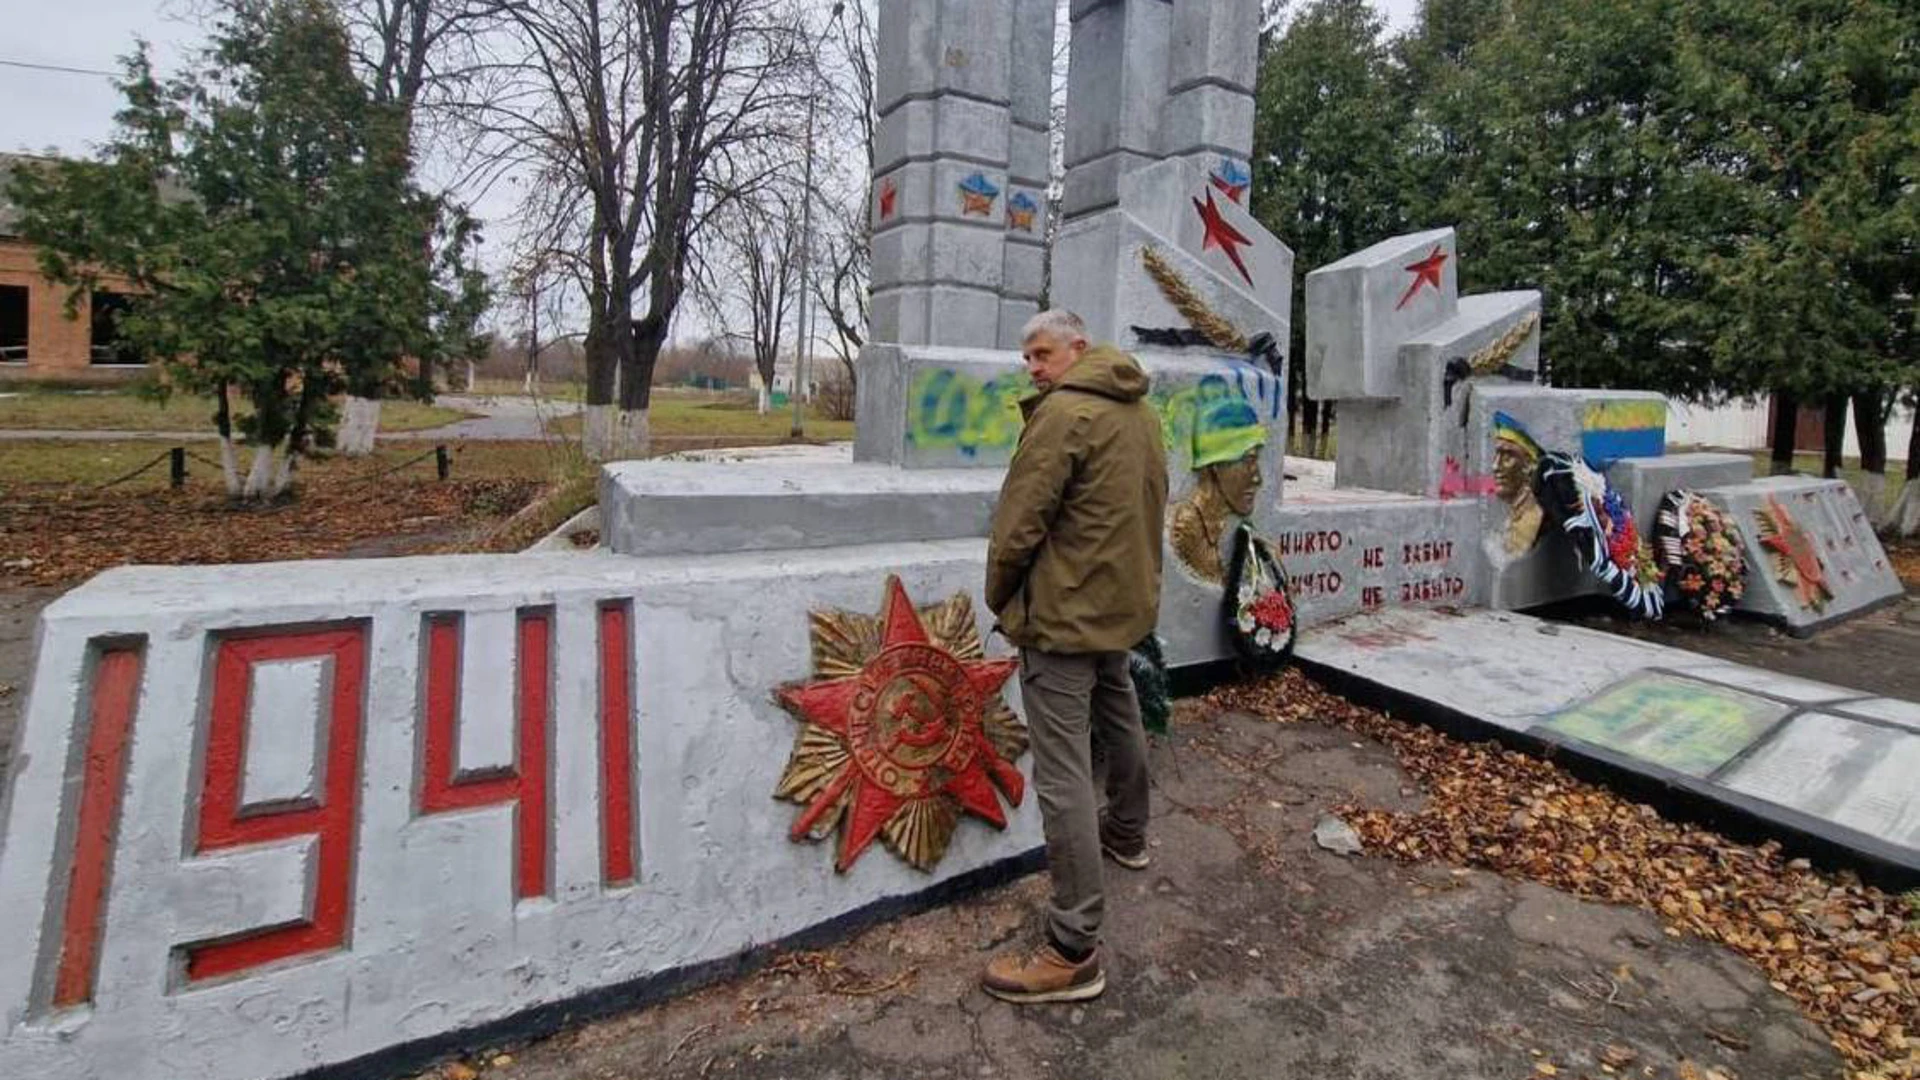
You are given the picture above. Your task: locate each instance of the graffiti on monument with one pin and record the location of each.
(1516, 458)
(889, 193)
(903, 729)
(1623, 429)
(1218, 428)
(1682, 724)
(1796, 560)
(952, 410)
(1457, 483)
(1231, 178)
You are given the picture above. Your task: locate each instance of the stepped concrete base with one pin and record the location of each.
(687, 508)
(1830, 547)
(1831, 766)
(1643, 482)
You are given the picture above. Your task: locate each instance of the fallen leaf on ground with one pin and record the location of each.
(1821, 939)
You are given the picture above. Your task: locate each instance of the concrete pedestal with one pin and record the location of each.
(1812, 555)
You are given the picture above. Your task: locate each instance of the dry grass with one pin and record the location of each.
(123, 410)
(54, 463)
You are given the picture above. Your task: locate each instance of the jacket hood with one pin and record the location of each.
(1107, 371)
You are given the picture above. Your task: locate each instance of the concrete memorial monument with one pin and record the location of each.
(252, 831)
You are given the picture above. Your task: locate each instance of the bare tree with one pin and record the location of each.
(535, 296)
(840, 280)
(755, 281)
(644, 119)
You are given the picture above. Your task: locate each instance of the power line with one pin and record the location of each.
(57, 67)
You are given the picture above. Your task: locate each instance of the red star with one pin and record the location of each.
(887, 193)
(911, 727)
(1221, 234)
(1425, 271)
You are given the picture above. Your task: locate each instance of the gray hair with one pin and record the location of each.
(1057, 321)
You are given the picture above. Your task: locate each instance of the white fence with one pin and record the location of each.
(1743, 426)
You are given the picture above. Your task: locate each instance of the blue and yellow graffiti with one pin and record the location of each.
(1226, 411)
(952, 410)
(969, 416)
(1622, 429)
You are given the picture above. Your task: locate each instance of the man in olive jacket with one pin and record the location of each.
(1073, 573)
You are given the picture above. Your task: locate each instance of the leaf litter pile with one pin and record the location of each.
(1847, 953)
(51, 536)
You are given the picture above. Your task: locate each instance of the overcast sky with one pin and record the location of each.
(42, 110)
(70, 112)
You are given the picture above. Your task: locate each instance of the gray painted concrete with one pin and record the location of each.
(1360, 308)
(687, 508)
(1643, 482)
(960, 170)
(1099, 267)
(1405, 442)
(1353, 554)
(1852, 561)
(437, 940)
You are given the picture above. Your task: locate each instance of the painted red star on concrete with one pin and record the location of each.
(1221, 234)
(897, 747)
(887, 194)
(1425, 272)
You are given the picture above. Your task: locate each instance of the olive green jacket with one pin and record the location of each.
(1073, 565)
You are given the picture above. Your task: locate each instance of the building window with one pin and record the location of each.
(13, 324)
(107, 345)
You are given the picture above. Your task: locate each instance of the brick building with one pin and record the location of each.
(39, 340)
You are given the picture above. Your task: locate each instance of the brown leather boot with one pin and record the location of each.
(1044, 975)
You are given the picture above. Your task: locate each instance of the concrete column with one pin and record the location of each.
(944, 92)
(1116, 93)
(1031, 85)
(1212, 55)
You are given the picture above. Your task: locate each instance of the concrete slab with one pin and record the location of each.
(1685, 724)
(1504, 668)
(1812, 555)
(1859, 775)
(1643, 482)
(685, 508)
(624, 827)
(1826, 765)
(1349, 555)
(1904, 714)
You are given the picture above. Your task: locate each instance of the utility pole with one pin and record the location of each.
(803, 346)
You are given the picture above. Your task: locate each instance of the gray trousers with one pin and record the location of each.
(1081, 707)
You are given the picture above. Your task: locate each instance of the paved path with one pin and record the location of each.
(1242, 953)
